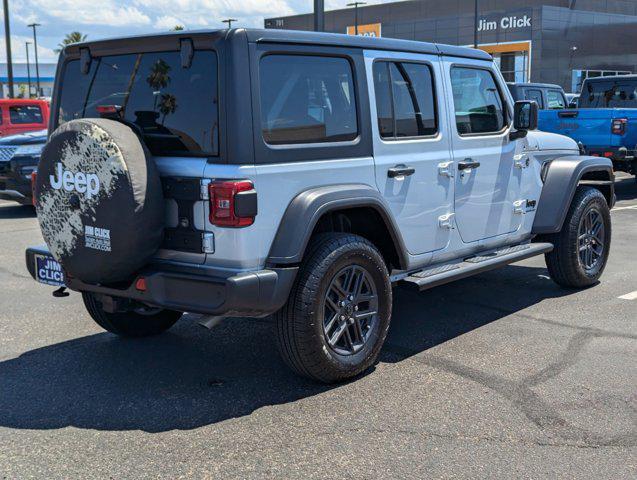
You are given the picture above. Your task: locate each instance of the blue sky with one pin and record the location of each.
(111, 18)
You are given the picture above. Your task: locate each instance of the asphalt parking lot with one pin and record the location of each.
(502, 375)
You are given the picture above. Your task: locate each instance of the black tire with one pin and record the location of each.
(130, 324)
(565, 263)
(302, 325)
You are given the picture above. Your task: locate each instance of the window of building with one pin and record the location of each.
(405, 99)
(477, 101)
(514, 66)
(23, 114)
(307, 99)
(555, 100)
(578, 76)
(535, 95)
(174, 108)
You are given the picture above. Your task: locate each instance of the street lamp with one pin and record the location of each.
(7, 36)
(355, 5)
(26, 44)
(475, 24)
(229, 21)
(37, 65)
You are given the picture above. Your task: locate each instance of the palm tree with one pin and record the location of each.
(73, 37)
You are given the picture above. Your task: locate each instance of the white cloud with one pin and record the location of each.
(88, 12)
(167, 22)
(112, 18)
(18, 50)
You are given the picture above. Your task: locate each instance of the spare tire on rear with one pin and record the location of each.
(99, 200)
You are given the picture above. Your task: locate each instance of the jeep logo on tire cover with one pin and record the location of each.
(80, 182)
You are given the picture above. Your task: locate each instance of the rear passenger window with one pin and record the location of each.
(405, 102)
(477, 101)
(22, 114)
(555, 99)
(535, 95)
(307, 99)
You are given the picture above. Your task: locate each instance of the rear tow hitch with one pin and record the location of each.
(60, 293)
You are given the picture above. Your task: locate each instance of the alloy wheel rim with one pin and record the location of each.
(591, 236)
(350, 312)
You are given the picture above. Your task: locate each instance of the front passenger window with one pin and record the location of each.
(477, 101)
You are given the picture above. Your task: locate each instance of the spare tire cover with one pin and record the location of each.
(99, 200)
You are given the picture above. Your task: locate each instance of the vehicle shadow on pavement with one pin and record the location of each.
(16, 211)
(422, 320)
(191, 377)
(626, 188)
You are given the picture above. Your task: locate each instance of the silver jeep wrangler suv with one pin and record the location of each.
(299, 175)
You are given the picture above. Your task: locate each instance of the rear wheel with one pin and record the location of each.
(337, 316)
(582, 247)
(142, 322)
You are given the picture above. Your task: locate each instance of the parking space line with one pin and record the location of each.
(630, 207)
(629, 296)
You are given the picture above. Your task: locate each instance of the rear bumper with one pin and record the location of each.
(14, 185)
(196, 288)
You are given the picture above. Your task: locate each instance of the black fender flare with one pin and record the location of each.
(563, 176)
(306, 209)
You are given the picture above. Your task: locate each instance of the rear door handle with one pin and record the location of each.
(468, 164)
(400, 171)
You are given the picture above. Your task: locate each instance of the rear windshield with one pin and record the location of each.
(23, 114)
(175, 109)
(616, 93)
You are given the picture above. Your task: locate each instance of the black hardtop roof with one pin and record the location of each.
(612, 77)
(303, 37)
(534, 84)
(369, 43)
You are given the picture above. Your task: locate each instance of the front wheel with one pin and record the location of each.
(581, 248)
(337, 316)
(143, 322)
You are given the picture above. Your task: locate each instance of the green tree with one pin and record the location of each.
(176, 28)
(73, 37)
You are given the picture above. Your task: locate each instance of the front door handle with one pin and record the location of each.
(468, 164)
(400, 171)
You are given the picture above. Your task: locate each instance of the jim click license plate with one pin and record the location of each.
(48, 271)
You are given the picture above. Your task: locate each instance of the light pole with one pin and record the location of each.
(26, 44)
(7, 36)
(37, 65)
(229, 21)
(475, 24)
(319, 15)
(355, 5)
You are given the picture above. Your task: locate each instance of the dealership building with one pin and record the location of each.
(550, 41)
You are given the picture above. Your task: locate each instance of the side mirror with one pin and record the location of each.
(525, 113)
(573, 104)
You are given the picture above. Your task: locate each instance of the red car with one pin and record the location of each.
(22, 115)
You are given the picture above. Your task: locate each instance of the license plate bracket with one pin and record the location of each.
(48, 271)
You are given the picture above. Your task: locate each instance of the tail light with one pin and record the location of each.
(34, 176)
(618, 126)
(233, 203)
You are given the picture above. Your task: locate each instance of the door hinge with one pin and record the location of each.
(208, 242)
(446, 221)
(205, 193)
(518, 207)
(445, 169)
(521, 161)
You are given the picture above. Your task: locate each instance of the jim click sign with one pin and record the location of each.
(508, 22)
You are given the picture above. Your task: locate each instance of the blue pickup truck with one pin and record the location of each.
(605, 122)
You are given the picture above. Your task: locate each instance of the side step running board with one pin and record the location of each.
(482, 262)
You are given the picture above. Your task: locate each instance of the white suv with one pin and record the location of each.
(258, 172)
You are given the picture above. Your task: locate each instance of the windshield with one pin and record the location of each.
(173, 108)
(615, 93)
